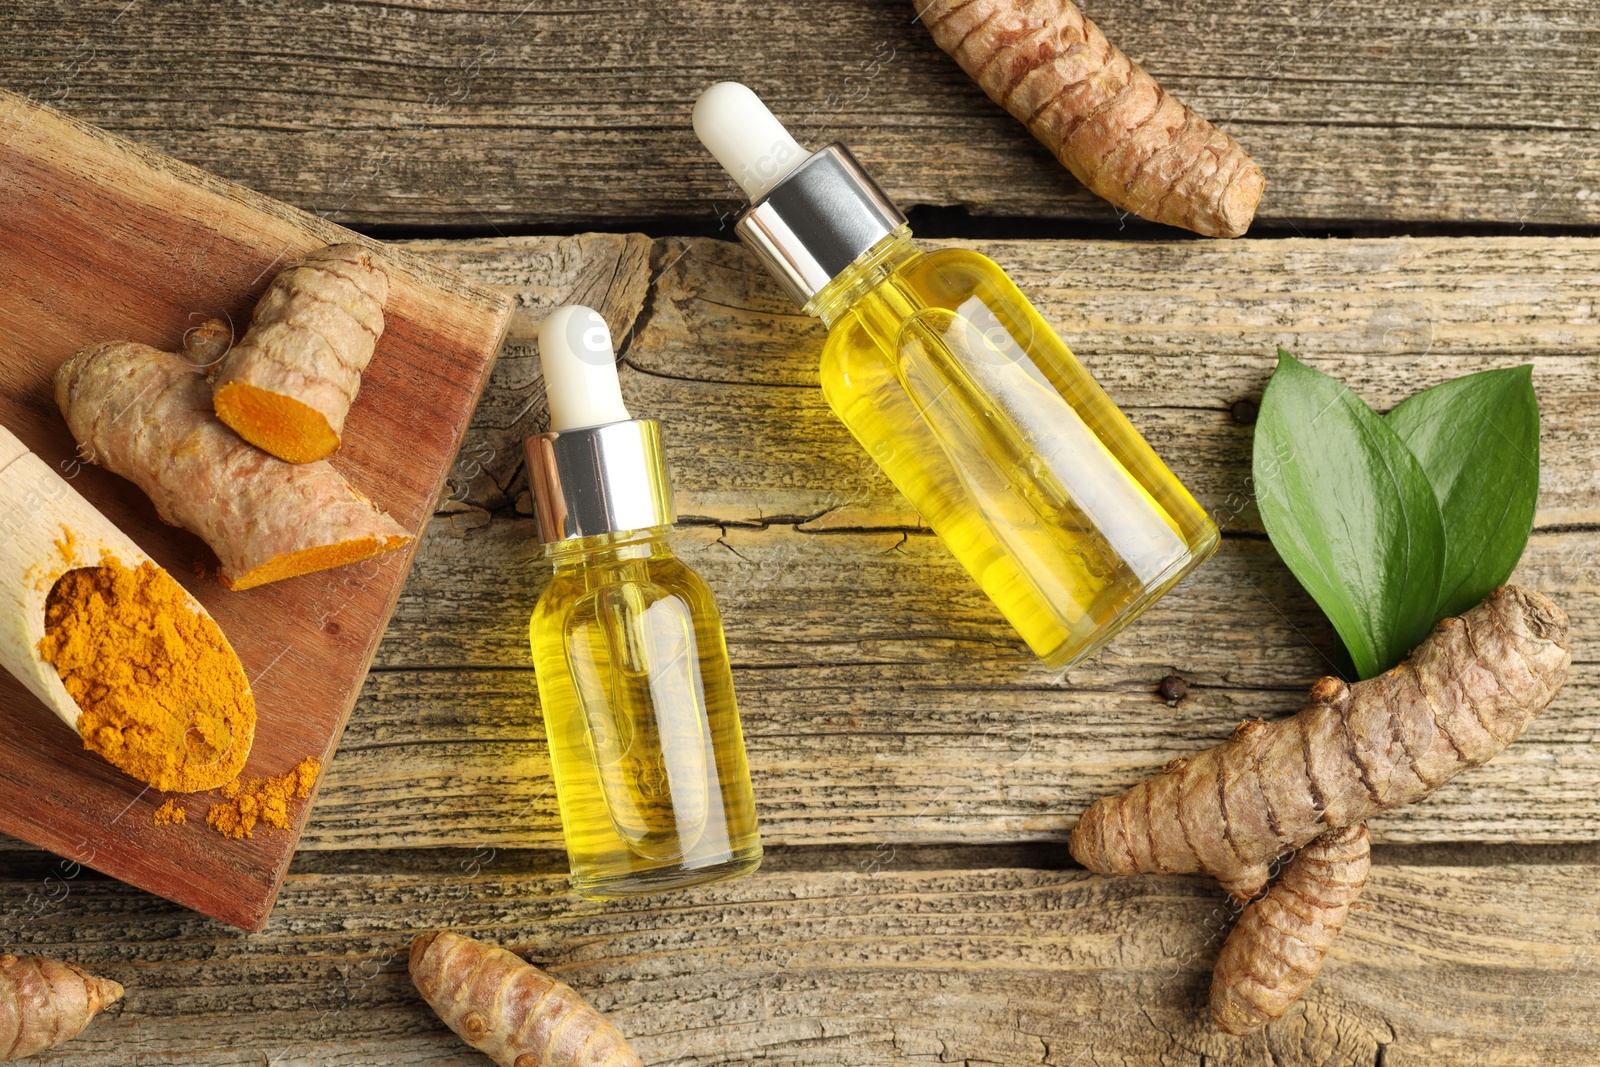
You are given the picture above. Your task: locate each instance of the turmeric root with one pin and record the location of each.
(1312, 780)
(1465, 693)
(510, 1010)
(1099, 113)
(45, 1002)
(287, 386)
(146, 415)
(1276, 948)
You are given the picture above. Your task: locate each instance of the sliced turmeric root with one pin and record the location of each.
(282, 425)
(294, 563)
(146, 415)
(288, 384)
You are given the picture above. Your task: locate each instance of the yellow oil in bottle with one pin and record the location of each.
(1005, 444)
(637, 694)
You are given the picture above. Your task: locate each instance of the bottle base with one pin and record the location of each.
(663, 879)
(1068, 655)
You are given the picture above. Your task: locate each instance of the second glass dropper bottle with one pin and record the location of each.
(633, 671)
(963, 394)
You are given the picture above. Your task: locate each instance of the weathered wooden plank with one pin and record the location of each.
(1176, 332)
(883, 964)
(884, 700)
(832, 597)
(485, 114)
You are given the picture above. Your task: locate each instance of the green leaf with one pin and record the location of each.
(1351, 512)
(1477, 439)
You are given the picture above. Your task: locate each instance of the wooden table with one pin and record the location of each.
(1432, 209)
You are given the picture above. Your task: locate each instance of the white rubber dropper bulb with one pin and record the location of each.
(580, 369)
(747, 139)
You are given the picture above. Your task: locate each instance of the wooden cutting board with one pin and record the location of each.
(102, 239)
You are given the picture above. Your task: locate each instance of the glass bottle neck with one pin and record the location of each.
(653, 542)
(864, 275)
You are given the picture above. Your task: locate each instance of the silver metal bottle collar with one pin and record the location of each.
(599, 480)
(826, 214)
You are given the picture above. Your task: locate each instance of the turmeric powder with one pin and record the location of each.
(162, 695)
(171, 814)
(262, 800)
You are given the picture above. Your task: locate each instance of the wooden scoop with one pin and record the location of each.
(46, 530)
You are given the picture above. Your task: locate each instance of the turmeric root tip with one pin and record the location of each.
(1277, 947)
(1099, 113)
(44, 1003)
(288, 384)
(510, 1010)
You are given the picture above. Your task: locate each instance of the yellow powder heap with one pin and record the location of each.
(262, 800)
(171, 814)
(162, 695)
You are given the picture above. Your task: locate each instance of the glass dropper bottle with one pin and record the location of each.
(634, 680)
(963, 394)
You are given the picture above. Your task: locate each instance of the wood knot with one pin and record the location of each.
(475, 1026)
(1172, 689)
(1244, 411)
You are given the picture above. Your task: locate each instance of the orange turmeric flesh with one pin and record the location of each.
(317, 558)
(163, 697)
(290, 430)
(289, 383)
